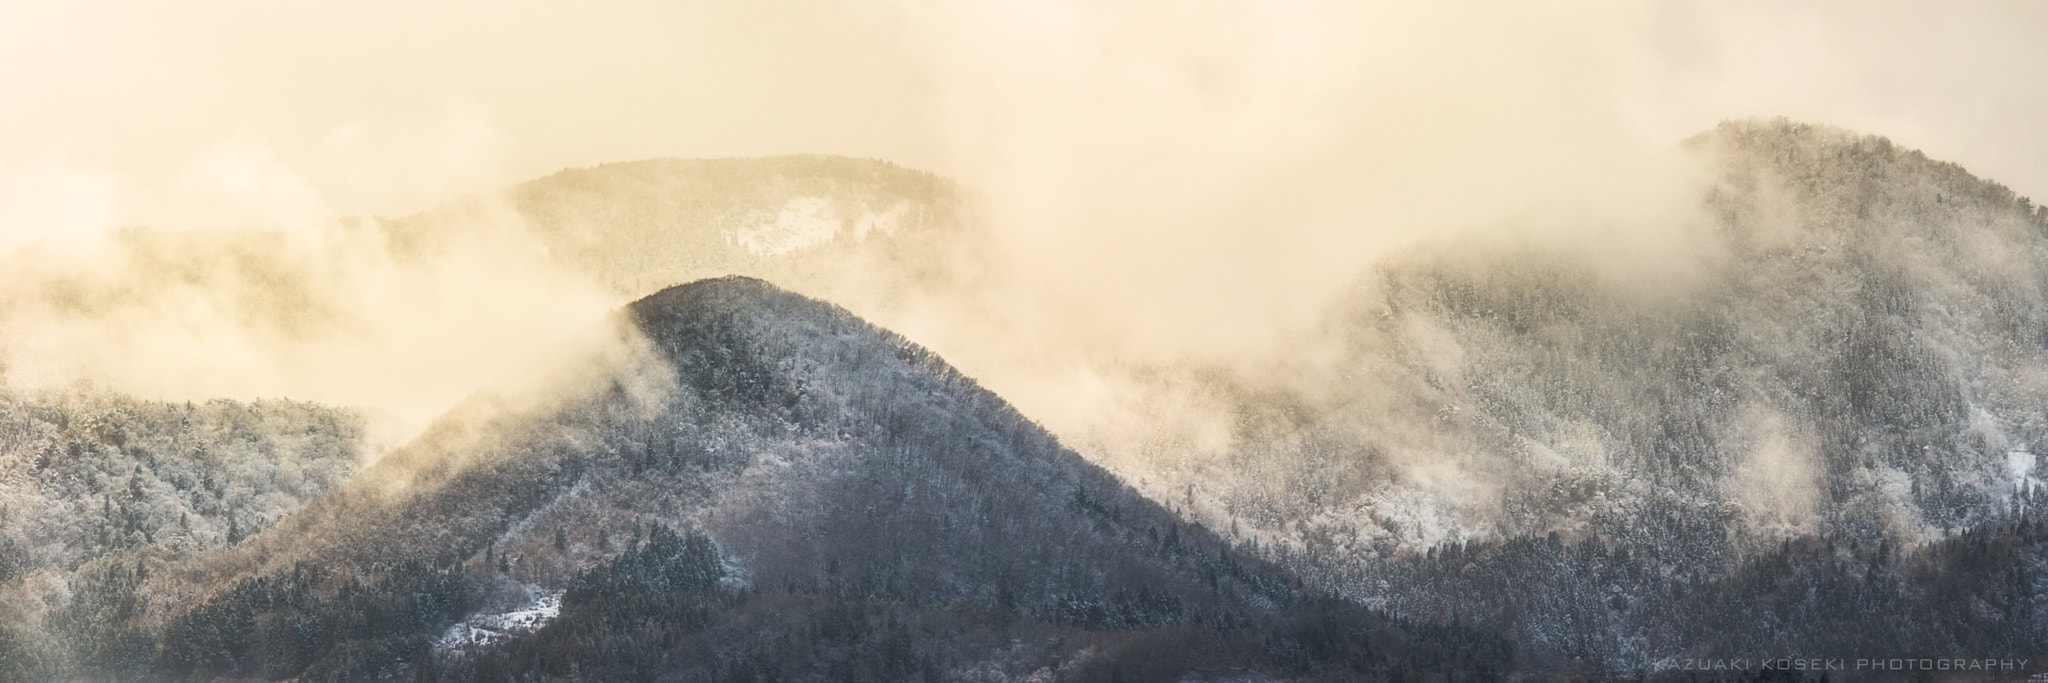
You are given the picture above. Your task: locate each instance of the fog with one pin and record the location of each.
(1165, 180)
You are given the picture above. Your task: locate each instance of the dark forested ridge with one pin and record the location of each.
(762, 488)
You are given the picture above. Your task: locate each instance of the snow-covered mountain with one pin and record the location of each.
(1815, 396)
(1849, 347)
(1831, 375)
(736, 459)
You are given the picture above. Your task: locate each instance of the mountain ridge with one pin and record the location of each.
(793, 459)
(1828, 401)
(1832, 375)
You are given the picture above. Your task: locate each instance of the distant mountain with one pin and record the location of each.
(832, 227)
(380, 311)
(748, 485)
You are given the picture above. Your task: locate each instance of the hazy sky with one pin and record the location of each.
(389, 106)
(1194, 175)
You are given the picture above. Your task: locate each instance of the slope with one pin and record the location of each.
(1851, 350)
(90, 479)
(740, 459)
(1843, 352)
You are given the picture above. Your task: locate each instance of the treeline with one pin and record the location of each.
(661, 610)
(749, 636)
(657, 613)
(1593, 605)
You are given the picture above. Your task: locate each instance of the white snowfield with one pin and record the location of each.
(482, 630)
(2020, 464)
(807, 221)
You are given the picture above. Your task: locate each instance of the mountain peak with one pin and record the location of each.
(718, 292)
(1832, 165)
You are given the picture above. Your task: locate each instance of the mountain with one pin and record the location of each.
(1825, 367)
(1818, 399)
(737, 483)
(1812, 398)
(842, 229)
(1851, 358)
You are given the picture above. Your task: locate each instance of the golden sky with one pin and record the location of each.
(388, 106)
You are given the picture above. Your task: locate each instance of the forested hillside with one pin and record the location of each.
(91, 480)
(741, 461)
(1830, 385)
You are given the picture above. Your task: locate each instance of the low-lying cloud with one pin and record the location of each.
(182, 197)
(246, 284)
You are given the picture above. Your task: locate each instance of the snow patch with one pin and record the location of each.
(883, 222)
(2020, 466)
(483, 630)
(802, 222)
(805, 222)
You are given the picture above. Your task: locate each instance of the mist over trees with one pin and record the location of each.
(1744, 447)
(1804, 424)
(753, 462)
